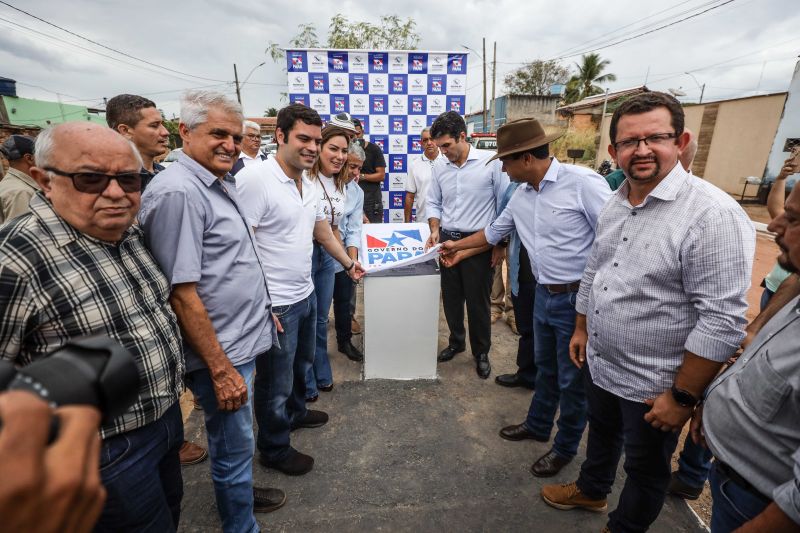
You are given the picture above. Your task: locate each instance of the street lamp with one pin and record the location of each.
(702, 87)
(236, 79)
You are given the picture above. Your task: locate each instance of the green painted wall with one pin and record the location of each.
(28, 112)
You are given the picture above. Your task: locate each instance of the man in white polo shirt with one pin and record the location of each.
(419, 176)
(251, 147)
(280, 204)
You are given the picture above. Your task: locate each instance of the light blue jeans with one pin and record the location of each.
(322, 270)
(231, 446)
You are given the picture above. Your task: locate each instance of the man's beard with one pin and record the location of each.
(784, 261)
(654, 174)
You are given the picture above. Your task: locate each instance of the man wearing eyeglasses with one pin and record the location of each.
(77, 266)
(661, 307)
(251, 147)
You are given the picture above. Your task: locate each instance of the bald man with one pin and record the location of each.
(75, 266)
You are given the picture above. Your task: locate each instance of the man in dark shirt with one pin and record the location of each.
(373, 172)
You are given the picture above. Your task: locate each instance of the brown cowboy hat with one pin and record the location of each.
(522, 135)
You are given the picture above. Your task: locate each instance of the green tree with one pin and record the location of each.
(586, 82)
(536, 77)
(391, 33)
(271, 112)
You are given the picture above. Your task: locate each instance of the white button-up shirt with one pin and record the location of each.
(418, 179)
(557, 222)
(665, 276)
(284, 227)
(465, 198)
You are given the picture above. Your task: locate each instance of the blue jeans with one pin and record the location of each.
(320, 374)
(559, 385)
(523, 313)
(280, 383)
(733, 505)
(141, 473)
(694, 463)
(615, 422)
(230, 446)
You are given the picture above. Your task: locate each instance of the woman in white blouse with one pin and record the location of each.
(328, 174)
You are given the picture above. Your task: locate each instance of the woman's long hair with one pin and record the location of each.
(328, 133)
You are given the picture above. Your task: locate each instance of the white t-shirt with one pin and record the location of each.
(330, 198)
(247, 160)
(417, 180)
(284, 227)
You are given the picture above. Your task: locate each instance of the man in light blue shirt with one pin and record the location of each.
(462, 198)
(554, 214)
(196, 231)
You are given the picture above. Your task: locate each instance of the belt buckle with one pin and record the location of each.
(455, 234)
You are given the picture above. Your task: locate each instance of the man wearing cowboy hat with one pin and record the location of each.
(554, 213)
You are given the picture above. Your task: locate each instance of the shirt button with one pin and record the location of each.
(633, 213)
(595, 334)
(616, 264)
(624, 239)
(605, 288)
(597, 312)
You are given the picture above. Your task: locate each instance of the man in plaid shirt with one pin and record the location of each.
(75, 266)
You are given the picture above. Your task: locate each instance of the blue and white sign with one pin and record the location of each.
(394, 94)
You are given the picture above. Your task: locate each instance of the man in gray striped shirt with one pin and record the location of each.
(660, 308)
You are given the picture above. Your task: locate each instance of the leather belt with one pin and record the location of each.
(563, 287)
(734, 476)
(456, 235)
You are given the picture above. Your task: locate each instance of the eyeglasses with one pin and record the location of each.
(96, 182)
(658, 139)
(253, 136)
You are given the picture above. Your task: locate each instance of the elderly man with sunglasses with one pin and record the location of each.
(76, 266)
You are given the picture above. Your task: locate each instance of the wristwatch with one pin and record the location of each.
(683, 397)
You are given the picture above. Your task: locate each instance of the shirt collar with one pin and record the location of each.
(24, 178)
(61, 231)
(552, 172)
(472, 154)
(198, 170)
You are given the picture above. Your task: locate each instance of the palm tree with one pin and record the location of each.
(590, 73)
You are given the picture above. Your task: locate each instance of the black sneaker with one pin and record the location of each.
(295, 464)
(266, 500)
(683, 490)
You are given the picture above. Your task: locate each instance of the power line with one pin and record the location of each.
(75, 45)
(107, 47)
(726, 2)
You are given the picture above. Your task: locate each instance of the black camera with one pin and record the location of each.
(94, 370)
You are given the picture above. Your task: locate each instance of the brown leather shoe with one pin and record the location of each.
(566, 497)
(355, 327)
(191, 454)
(549, 464)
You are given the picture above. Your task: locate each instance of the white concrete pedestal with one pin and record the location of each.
(401, 323)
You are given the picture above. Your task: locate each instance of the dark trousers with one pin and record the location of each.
(613, 423)
(469, 281)
(373, 206)
(733, 504)
(694, 463)
(141, 473)
(343, 290)
(559, 385)
(523, 313)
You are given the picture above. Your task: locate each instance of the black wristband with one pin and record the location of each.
(348, 269)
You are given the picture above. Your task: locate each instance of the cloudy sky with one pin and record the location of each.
(737, 48)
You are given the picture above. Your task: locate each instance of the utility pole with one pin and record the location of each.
(484, 85)
(702, 90)
(236, 80)
(494, 78)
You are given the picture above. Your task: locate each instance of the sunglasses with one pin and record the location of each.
(96, 182)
